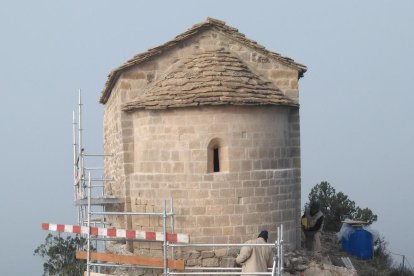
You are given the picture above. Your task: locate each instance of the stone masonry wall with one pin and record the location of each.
(116, 144)
(258, 191)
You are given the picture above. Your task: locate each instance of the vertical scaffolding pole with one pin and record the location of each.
(75, 156)
(172, 224)
(275, 259)
(88, 244)
(278, 251)
(164, 225)
(281, 250)
(80, 156)
(277, 268)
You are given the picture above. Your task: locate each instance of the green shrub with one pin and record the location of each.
(337, 206)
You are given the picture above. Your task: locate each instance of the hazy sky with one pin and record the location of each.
(356, 98)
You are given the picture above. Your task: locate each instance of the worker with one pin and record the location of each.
(256, 258)
(312, 222)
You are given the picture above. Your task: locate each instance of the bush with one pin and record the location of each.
(337, 206)
(59, 255)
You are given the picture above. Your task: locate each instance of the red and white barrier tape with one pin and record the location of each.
(116, 233)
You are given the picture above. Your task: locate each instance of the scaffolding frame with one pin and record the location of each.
(83, 198)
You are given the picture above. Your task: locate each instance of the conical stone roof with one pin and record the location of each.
(214, 77)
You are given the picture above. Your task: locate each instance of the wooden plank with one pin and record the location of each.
(125, 259)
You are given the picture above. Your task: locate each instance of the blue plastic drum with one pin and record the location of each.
(360, 244)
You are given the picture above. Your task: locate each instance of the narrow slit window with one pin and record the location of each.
(216, 159)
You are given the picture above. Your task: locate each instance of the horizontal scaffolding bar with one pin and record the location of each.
(95, 155)
(219, 273)
(100, 201)
(120, 239)
(101, 179)
(120, 265)
(212, 268)
(94, 169)
(129, 213)
(220, 244)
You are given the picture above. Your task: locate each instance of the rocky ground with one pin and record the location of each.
(329, 262)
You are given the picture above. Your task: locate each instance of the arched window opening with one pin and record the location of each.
(217, 156)
(216, 165)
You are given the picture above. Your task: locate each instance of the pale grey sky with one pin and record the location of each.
(356, 114)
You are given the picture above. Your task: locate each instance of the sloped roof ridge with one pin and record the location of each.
(195, 29)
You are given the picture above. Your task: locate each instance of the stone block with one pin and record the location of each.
(144, 245)
(212, 231)
(239, 230)
(277, 74)
(221, 221)
(176, 194)
(234, 166)
(142, 221)
(228, 210)
(228, 230)
(264, 207)
(198, 210)
(249, 219)
(194, 254)
(236, 220)
(186, 221)
(124, 84)
(198, 194)
(200, 239)
(182, 254)
(293, 94)
(210, 262)
(185, 211)
(222, 252)
(227, 262)
(256, 200)
(256, 165)
(213, 210)
(220, 201)
(240, 209)
(178, 167)
(236, 239)
(193, 262)
(250, 184)
(205, 221)
(207, 254)
(246, 165)
(220, 239)
(259, 191)
(294, 84)
(227, 193)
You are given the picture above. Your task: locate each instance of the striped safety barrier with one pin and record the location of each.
(116, 233)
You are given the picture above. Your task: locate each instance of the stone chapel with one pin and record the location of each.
(210, 119)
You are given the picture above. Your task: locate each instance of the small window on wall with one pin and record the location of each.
(217, 156)
(216, 160)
